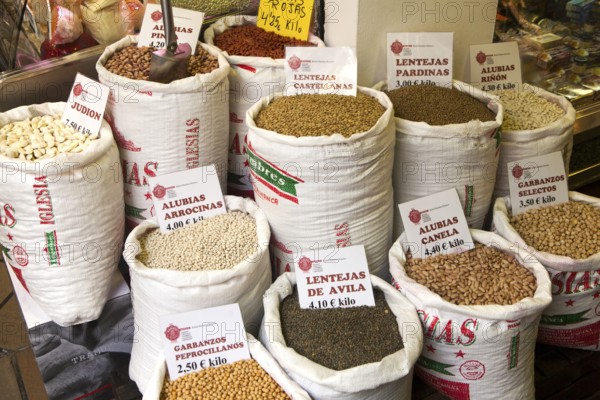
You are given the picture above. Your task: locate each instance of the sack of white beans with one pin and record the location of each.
(519, 144)
(173, 286)
(483, 350)
(250, 79)
(257, 352)
(573, 318)
(61, 211)
(164, 128)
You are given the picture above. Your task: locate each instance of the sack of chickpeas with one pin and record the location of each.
(162, 128)
(321, 167)
(356, 353)
(536, 122)
(61, 211)
(480, 311)
(260, 378)
(445, 138)
(257, 62)
(564, 238)
(220, 260)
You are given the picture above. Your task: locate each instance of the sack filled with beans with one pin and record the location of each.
(260, 378)
(356, 353)
(257, 70)
(217, 261)
(565, 239)
(61, 211)
(480, 311)
(321, 169)
(189, 114)
(536, 122)
(446, 138)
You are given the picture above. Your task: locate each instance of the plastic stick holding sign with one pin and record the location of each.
(86, 105)
(289, 18)
(496, 66)
(203, 338)
(187, 27)
(320, 70)
(537, 182)
(341, 279)
(436, 224)
(186, 197)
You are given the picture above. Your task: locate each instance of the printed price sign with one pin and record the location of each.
(495, 66)
(340, 280)
(436, 224)
(537, 182)
(203, 338)
(86, 105)
(186, 197)
(187, 27)
(289, 18)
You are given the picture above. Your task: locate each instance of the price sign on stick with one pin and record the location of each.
(86, 105)
(187, 27)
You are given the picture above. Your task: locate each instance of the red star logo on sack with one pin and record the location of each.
(159, 191)
(156, 16)
(431, 348)
(397, 47)
(460, 354)
(172, 332)
(481, 57)
(10, 237)
(148, 196)
(294, 62)
(597, 295)
(570, 303)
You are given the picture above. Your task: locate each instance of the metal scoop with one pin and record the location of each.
(170, 63)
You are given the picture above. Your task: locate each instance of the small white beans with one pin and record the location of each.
(524, 110)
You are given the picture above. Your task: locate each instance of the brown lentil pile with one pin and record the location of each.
(341, 338)
(216, 243)
(437, 105)
(481, 276)
(569, 229)
(241, 380)
(250, 40)
(133, 62)
(320, 114)
(525, 110)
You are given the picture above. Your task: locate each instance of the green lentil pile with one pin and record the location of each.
(525, 110)
(437, 105)
(216, 243)
(320, 114)
(341, 338)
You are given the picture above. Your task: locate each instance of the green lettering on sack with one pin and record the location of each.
(434, 365)
(514, 351)
(134, 212)
(52, 248)
(565, 319)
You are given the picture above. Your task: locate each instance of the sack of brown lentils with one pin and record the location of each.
(536, 122)
(61, 211)
(217, 261)
(291, 390)
(358, 353)
(321, 171)
(566, 240)
(251, 78)
(163, 128)
(480, 312)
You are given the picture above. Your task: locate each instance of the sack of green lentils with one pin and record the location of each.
(480, 312)
(61, 211)
(565, 239)
(536, 122)
(321, 169)
(258, 354)
(257, 70)
(217, 261)
(358, 353)
(163, 128)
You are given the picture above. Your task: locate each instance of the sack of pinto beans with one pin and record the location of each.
(564, 238)
(535, 123)
(162, 128)
(356, 353)
(257, 70)
(256, 379)
(480, 312)
(321, 168)
(61, 211)
(217, 261)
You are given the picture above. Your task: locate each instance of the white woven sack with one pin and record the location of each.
(257, 352)
(390, 378)
(337, 190)
(157, 292)
(164, 128)
(573, 318)
(250, 78)
(519, 145)
(62, 222)
(476, 352)
(430, 159)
